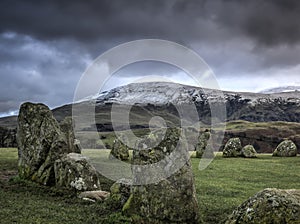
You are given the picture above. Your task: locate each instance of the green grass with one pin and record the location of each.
(221, 187)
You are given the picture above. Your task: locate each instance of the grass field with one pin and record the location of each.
(222, 186)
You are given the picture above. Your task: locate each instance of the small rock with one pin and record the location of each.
(249, 151)
(287, 148)
(94, 195)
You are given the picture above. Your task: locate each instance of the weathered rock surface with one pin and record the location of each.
(172, 199)
(120, 192)
(8, 137)
(269, 206)
(68, 129)
(233, 148)
(40, 143)
(286, 148)
(43, 148)
(202, 145)
(94, 195)
(248, 151)
(74, 171)
(119, 151)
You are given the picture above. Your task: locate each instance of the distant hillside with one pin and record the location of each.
(160, 98)
(281, 89)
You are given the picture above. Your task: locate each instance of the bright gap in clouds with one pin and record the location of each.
(149, 71)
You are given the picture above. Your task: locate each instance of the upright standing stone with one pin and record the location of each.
(40, 143)
(43, 151)
(233, 148)
(173, 198)
(202, 145)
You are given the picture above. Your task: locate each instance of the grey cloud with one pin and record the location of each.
(268, 22)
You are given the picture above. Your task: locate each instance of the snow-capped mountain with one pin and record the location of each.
(160, 93)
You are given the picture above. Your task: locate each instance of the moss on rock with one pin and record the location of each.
(269, 206)
(233, 148)
(249, 151)
(287, 148)
(172, 199)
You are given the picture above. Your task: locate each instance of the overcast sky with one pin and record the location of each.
(45, 46)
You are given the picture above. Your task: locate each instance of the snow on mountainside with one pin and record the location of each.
(282, 89)
(160, 93)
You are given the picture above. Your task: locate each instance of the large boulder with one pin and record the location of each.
(172, 199)
(249, 151)
(40, 143)
(119, 151)
(269, 206)
(286, 148)
(202, 145)
(73, 171)
(233, 148)
(68, 129)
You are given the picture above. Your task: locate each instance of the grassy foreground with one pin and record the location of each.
(222, 186)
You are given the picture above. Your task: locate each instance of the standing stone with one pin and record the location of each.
(249, 151)
(119, 151)
(40, 143)
(202, 145)
(73, 171)
(68, 129)
(287, 148)
(233, 148)
(270, 205)
(43, 148)
(173, 198)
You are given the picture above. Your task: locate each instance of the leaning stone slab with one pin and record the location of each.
(173, 198)
(40, 143)
(73, 171)
(287, 148)
(269, 206)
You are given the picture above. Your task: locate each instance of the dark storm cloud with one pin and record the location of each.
(46, 45)
(268, 22)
